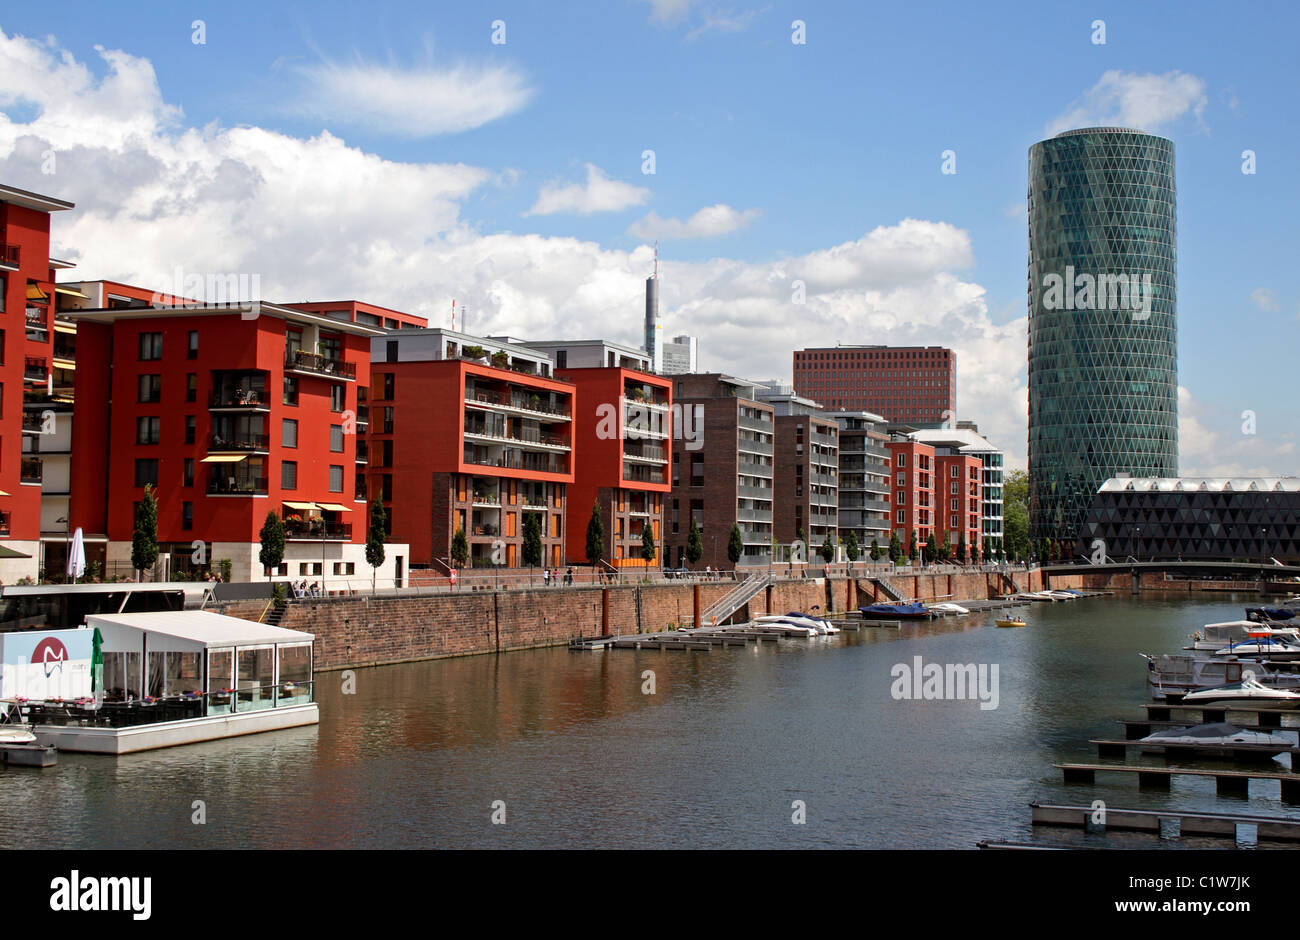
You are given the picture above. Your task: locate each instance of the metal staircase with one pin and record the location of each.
(738, 598)
(888, 587)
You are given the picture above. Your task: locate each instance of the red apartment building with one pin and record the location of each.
(622, 449)
(958, 500)
(473, 434)
(935, 494)
(230, 413)
(27, 290)
(912, 385)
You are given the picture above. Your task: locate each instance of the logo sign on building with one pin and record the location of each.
(45, 664)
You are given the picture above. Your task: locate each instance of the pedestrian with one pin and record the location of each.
(568, 577)
(546, 577)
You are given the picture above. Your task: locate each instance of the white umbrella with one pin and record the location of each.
(77, 555)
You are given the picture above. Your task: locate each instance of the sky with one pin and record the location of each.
(522, 158)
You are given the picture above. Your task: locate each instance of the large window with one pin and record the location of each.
(288, 474)
(338, 397)
(336, 479)
(150, 346)
(146, 472)
(289, 432)
(150, 388)
(146, 430)
(291, 390)
(192, 351)
(336, 438)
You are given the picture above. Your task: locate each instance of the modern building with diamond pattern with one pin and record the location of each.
(1103, 333)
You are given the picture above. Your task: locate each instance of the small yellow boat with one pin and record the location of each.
(1011, 622)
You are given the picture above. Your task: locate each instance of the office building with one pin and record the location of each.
(913, 385)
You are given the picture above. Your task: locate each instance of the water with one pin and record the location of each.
(581, 757)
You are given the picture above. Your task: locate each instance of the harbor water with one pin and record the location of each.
(572, 750)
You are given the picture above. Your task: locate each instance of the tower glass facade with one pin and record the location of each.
(1103, 335)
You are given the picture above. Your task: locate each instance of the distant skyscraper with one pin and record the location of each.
(680, 355)
(1103, 371)
(653, 339)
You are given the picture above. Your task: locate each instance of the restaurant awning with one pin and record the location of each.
(34, 292)
(333, 507)
(223, 458)
(293, 505)
(70, 291)
(180, 630)
(7, 552)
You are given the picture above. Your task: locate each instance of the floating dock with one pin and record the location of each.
(1227, 782)
(27, 755)
(1278, 828)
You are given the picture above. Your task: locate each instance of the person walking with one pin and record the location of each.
(546, 577)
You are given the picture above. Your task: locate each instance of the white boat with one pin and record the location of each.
(1179, 675)
(1267, 647)
(1215, 636)
(820, 624)
(1248, 692)
(946, 608)
(1062, 595)
(783, 625)
(1218, 738)
(13, 730)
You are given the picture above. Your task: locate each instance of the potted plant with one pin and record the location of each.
(500, 359)
(474, 352)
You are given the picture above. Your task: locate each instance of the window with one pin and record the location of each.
(901, 499)
(2, 332)
(191, 423)
(902, 460)
(345, 567)
(290, 390)
(192, 351)
(902, 516)
(391, 348)
(150, 388)
(309, 568)
(956, 488)
(336, 479)
(288, 474)
(192, 387)
(338, 397)
(289, 432)
(187, 515)
(954, 506)
(150, 346)
(954, 471)
(902, 479)
(146, 472)
(146, 430)
(189, 472)
(953, 522)
(390, 383)
(336, 438)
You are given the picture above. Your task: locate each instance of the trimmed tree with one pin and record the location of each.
(459, 549)
(828, 549)
(375, 539)
(595, 535)
(851, 546)
(895, 548)
(694, 545)
(272, 535)
(931, 549)
(945, 550)
(532, 550)
(735, 544)
(876, 550)
(144, 538)
(961, 549)
(648, 550)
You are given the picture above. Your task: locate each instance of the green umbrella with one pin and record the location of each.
(96, 660)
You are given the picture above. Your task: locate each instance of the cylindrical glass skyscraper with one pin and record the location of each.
(1103, 331)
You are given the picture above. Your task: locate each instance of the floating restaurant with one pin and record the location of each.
(139, 681)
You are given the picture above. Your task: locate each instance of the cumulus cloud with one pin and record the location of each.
(708, 222)
(669, 12)
(411, 102)
(1128, 99)
(1264, 299)
(1241, 444)
(598, 194)
(319, 219)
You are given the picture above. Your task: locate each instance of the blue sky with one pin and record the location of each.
(510, 175)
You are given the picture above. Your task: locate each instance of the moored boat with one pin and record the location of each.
(1217, 739)
(902, 610)
(1246, 692)
(949, 608)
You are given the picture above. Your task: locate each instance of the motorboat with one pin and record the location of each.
(1063, 595)
(1263, 614)
(822, 625)
(1010, 622)
(13, 729)
(1217, 740)
(1246, 692)
(902, 610)
(1272, 647)
(1215, 636)
(1040, 596)
(1181, 675)
(781, 624)
(948, 608)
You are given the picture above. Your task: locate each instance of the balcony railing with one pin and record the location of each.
(220, 484)
(521, 437)
(239, 442)
(363, 413)
(485, 529)
(316, 530)
(522, 402)
(641, 474)
(239, 398)
(31, 470)
(516, 461)
(9, 256)
(320, 365)
(644, 451)
(35, 369)
(33, 423)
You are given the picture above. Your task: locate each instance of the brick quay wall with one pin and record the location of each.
(366, 630)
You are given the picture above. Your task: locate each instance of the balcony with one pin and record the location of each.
(240, 484)
(363, 414)
(239, 443)
(516, 460)
(652, 453)
(363, 451)
(485, 529)
(36, 369)
(9, 257)
(531, 403)
(33, 422)
(483, 429)
(312, 364)
(31, 471)
(239, 399)
(316, 530)
(641, 474)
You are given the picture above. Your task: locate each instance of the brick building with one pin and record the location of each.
(723, 469)
(806, 478)
(864, 478)
(27, 377)
(915, 385)
(474, 434)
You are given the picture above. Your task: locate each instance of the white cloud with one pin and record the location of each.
(598, 194)
(669, 12)
(709, 222)
(723, 21)
(1264, 299)
(1144, 101)
(414, 102)
(1242, 446)
(320, 220)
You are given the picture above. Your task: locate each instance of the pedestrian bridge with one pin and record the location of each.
(1225, 570)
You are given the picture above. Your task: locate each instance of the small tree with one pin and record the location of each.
(895, 548)
(144, 539)
(798, 535)
(272, 536)
(694, 545)
(961, 549)
(459, 548)
(595, 535)
(735, 544)
(532, 550)
(851, 546)
(911, 546)
(375, 539)
(876, 551)
(648, 550)
(945, 550)
(828, 549)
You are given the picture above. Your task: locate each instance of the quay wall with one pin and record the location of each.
(373, 630)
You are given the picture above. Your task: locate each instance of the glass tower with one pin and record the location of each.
(1103, 333)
